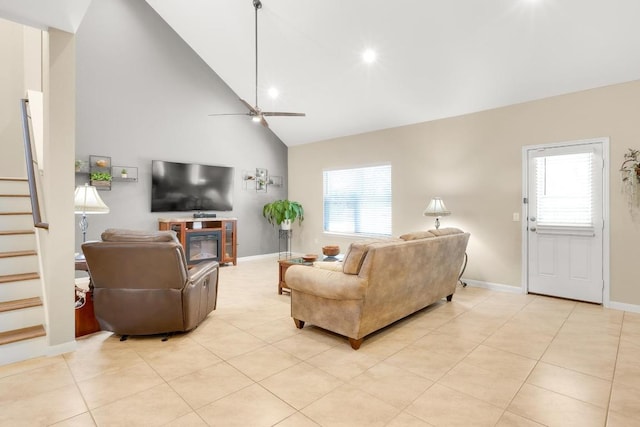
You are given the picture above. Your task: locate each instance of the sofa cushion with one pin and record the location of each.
(354, 257)
(446, 231)
(417, 235)
(122, 235)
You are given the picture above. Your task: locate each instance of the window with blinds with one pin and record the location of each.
(564, 190)
(358, 201)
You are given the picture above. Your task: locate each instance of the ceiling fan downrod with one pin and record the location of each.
(257, 4)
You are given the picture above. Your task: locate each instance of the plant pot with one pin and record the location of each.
(285, 225)
(123, 175)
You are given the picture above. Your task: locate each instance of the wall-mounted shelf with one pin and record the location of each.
(124, 173)
(260, 180)
(102, 164)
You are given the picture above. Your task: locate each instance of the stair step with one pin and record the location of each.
(12, 242)
(15, 221)
(22, 334)
(18, 277)
(15, 202)
(14, 186)
(20, 304)
(12, 254)
(20, 264)
(16, 232)
(20, 290)
(24, 350)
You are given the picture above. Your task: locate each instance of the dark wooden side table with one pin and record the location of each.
(86, 322)
(284, 264)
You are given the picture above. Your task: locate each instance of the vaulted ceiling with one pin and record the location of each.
(435, 59)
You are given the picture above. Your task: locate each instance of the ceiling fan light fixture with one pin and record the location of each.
(369, 56)
(256, 118)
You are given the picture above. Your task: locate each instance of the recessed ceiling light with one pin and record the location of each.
(369, 56)
(273, 92)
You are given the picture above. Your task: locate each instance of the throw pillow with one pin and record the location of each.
(354, 257)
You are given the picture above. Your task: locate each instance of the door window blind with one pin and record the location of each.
(358, 201)
(564, 190)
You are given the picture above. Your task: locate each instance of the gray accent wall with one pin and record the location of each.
(143, 94)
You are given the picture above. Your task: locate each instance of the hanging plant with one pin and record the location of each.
(630, 171)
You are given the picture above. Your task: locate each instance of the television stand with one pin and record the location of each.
(202, 234)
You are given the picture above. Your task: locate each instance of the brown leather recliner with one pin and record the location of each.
(142, 285)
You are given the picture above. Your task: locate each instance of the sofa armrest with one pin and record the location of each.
(328, 265)
(325, 283)
(202, 270)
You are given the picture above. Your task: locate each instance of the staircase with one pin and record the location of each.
(22, 332)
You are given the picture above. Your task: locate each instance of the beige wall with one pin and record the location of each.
(474, 163)
(11, 91)
(58, 242)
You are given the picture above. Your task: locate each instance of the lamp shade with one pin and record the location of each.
(87, 201)
(436, 208)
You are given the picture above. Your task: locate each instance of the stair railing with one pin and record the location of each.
(31, 174)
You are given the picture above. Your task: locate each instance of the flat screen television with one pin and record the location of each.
(178, 187)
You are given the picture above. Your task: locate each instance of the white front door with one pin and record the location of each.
(564, 216)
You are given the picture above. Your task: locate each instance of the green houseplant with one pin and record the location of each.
(283, 213)
(100, 179)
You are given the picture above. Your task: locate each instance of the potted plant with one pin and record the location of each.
(123, 173)
(100, 179)
(283, 213)
(78, 165)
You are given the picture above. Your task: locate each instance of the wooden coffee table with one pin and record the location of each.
(284, 264)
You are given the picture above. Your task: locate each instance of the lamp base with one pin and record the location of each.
(437, 223)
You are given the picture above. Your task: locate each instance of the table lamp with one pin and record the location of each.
(87, 202)
(436, 208)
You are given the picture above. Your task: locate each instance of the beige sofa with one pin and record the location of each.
(378, 283)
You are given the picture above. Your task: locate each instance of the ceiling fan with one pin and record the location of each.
(254, 111)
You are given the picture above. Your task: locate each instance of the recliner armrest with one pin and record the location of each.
(200, 271)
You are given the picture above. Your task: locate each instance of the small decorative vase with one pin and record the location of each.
(285, 225)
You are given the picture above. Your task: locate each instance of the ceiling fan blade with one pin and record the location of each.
(254, 111)
(230, 114)
(263, 122)
(280, 113)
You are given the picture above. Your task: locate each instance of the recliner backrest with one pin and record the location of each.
(132, 259)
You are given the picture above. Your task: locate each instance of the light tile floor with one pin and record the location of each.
(485, 359)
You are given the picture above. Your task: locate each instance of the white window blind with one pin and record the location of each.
(564, 190)
(358, 201)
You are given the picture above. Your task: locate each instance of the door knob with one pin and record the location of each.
(532, 229)
(532, 219)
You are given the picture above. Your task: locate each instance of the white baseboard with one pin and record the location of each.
(256, 257)
(493, 286)
(633, 308)
(67, 347)
(267, 256)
